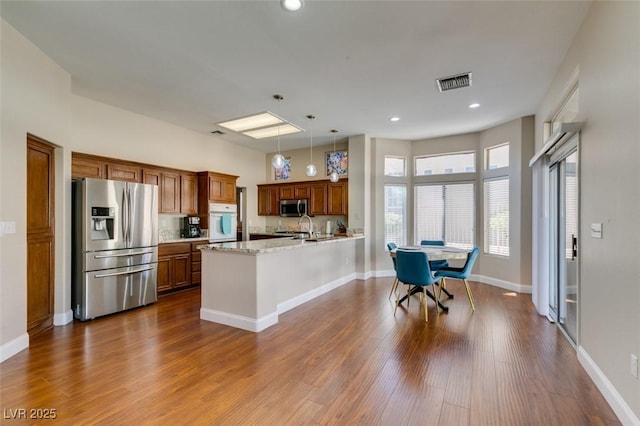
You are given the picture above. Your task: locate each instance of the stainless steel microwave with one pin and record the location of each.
(293, 208)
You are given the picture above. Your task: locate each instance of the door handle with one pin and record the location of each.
(115, 274)
(107, 256)
(574, 247)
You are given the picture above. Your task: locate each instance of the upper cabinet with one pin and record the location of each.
(217, 187)
(268, 201)
(189, 193)
(325, 198)
(177, 189)
(124, 172)
(337, 198)
(214, 188)
(83, 165)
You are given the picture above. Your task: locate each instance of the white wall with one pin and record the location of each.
(36, 98)
(299, 159)
(606, 54)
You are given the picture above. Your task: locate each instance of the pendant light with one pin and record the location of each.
(311, 168)
(278, 160)
(333, 176)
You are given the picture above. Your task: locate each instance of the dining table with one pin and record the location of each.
(433, 253)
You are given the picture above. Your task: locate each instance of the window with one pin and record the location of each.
(445, 212)
(463, 162)
(395, 166)
(395, 214)
(496, 216)
(497, 157)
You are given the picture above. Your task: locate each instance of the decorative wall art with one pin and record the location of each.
(337, 161)
(284, 172)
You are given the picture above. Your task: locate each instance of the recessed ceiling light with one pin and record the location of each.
(252, 122)
(394, 119)
(291, 5)
(269, 132)
(474, 105)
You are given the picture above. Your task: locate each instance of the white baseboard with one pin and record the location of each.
(384, 273)
(617, 403)
(363, 276)
(305, 297)
(507, 285)
(14, 346)
(256, 325)
(63, 318)
(239, 321)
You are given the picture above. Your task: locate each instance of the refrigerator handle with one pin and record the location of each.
(125, 216)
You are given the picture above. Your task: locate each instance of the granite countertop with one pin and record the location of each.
(256, 247)
(183, 240)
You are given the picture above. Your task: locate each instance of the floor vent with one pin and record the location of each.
(454, 82)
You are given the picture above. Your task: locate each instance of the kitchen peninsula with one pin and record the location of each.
(247, 284)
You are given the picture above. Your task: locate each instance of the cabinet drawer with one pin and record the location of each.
(195, 266)
(194, 246)
(196, 256)
(195, 277)
(174, 248)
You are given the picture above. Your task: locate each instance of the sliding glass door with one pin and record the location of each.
(563, 250)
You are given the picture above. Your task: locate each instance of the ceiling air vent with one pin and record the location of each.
(454, 82)
(218, 132)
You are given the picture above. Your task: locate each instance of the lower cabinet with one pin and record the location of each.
(174, 267)
(196, 257)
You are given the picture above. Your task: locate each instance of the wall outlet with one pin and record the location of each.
(346, 260)
(634, 366)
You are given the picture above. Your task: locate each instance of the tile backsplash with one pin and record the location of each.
(274, 224)
(170, 227)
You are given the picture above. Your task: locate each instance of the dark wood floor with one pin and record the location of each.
(340, 359)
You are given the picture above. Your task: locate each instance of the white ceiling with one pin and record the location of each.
(352, 64)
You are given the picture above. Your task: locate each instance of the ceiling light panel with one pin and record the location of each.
(269, 132)
(255, 121)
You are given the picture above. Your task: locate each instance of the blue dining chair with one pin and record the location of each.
(394, 287)
(461, 273)
(435, 264)
(412, 269)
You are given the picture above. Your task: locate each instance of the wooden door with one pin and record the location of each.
(40, 235)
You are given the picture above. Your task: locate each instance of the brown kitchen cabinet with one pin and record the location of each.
(337, 198)
(318, 199)
(218, 187)
(214, 188)
(325, 198)
(189, 193)
(168, 188)
(124, 172)
(196, 263)
(174, 267)
(286, 192)
(268, 201)
(84, 165)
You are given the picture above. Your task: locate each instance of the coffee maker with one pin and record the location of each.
(191, 226)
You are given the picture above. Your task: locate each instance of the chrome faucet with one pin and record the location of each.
(310, 224)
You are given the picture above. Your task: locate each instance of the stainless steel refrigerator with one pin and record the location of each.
(115, 246)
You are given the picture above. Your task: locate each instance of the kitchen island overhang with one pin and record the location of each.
(247, 284)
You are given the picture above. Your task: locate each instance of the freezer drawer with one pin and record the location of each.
(113, 290)
(109, 259)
